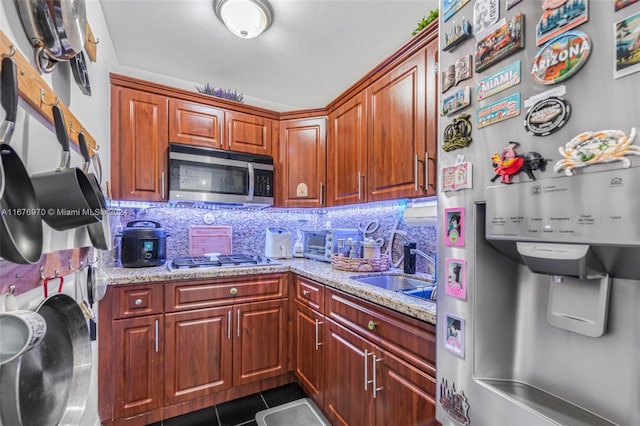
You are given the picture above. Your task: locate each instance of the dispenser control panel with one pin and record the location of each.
(600, 207)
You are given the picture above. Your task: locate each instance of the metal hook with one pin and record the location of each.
(75, 131)
(12, 289)
(42, 101)
(12, 52)
(95, 261)
(80, 266)
(56, 274)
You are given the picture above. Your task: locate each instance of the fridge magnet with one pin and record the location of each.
(454, 224)
(456, 277)
(511, 3)
(454, 403)
(508, 76)
(501, 110)
(502, 40)
(561, 57)
(555, 21)
(547, 116)
(485, 14)
(459, 33)
(456, 73)
(451, 7)
(627, 36)
(454, 178)
(590, 148)
(621, 4)
(458, 100)
(454, 334)
(508, 163)
(458, 133)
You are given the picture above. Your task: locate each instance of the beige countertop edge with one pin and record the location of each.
(321, 272)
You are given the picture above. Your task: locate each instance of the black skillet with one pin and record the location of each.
(20, 221)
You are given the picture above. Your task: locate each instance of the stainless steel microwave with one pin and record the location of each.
(218, 176)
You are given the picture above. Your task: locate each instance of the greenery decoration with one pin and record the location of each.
(208, 89)
(433, 15)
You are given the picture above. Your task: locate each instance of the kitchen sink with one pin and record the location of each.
(401, 284)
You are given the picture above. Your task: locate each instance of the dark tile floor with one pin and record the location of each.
(239, 412)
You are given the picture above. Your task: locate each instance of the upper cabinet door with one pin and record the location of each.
(195, 124)
(248, 133)
(431, 122)
(397, 131)
(347, 152)
(303, 162)
(139, 135)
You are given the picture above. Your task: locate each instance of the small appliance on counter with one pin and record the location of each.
(144, 243)
(278, 243)
(320, 244)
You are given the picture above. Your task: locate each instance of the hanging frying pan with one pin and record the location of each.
(20, 223)
(56, 29)
(80, 73)
(49, 385)
(66, 194)
(99, 232)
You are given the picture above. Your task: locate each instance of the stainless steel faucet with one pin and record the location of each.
(423, 254)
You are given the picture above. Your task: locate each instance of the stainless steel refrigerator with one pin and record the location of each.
(538, 318)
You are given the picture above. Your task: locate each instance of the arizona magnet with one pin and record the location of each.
(547, 116)
(561, 57)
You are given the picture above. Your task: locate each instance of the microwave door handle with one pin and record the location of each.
(251, 181)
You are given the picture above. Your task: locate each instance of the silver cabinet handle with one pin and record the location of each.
(426, 171)
(375, 383)
(366, 373)
(251, 181)
(162, 190)
(157, 335)
(229, 324)
(415, 173)
(321, 192)
(138, 302)
(359, 185)
(229, 135)
(238, 318)
(318, 344)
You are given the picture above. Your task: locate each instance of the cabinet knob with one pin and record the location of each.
(138, 302)
(306, 292)
(233, 291)
(371, 325)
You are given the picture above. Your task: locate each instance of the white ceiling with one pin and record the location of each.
(314, 50)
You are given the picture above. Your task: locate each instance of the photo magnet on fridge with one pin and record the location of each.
(454, 226)
(459, 33)
(456, 177)
(508, 76)
(451, 7)
(454, 402)
(501, 40)
(460, 99)
(485, 14)
(454, 334)
(627, 37)
(561, 58)
(621, 4)
(456, 278)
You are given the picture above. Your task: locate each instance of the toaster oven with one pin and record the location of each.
(320, 244)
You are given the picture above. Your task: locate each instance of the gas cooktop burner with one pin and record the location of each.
(221, 261)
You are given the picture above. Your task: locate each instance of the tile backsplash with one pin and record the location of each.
(249, 226)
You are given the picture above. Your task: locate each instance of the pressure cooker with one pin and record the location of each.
(144, 243)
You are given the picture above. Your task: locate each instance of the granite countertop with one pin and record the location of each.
(318, 271)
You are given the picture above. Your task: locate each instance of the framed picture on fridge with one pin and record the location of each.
(456, 285)
(454, 226)
(454, 334)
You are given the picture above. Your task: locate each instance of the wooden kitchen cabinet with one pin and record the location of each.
(303, 162)
(198, 354)
(309, 352)
(248, 133)
(396, 132)
(196, 124)
(137, 361)
(347, 152)
(139, 145)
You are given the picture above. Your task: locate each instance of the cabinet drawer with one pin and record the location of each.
(411, 339)
(137, 300)
(310, 293)
(180, 295)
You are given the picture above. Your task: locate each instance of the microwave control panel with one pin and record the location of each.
(263, 184)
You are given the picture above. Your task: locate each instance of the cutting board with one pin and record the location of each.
(210, 239)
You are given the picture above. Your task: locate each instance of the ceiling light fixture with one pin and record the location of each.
(244, 18)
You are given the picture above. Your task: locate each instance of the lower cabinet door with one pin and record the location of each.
(405, 395)
(348, 372)
(198, 348)
(309, 351)
(259, 341)
(137, 365)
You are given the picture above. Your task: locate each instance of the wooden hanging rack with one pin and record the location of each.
(37, 93)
